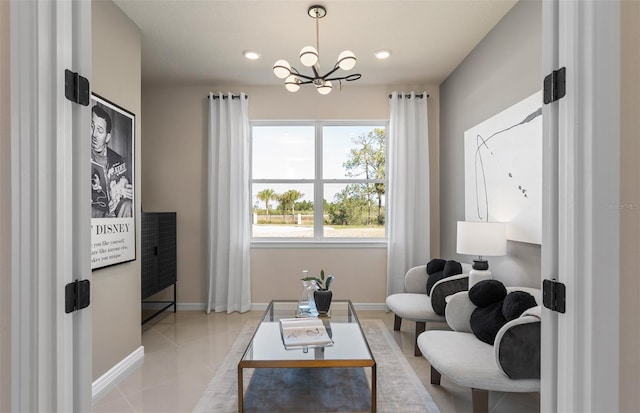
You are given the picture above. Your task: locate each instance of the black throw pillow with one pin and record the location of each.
(487, 321)
(432, 279)
(450, 268)
(487, 292)
(515, 303)
(435, 265)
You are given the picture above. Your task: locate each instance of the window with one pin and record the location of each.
(318, 180)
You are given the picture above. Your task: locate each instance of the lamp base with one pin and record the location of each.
(479, 272)
(480, 265)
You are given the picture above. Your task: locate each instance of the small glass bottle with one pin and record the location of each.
(306, 302)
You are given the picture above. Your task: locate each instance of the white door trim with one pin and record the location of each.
(549, 255)
(46, 207)
(80, 145)
(23, 276)
(588, 219)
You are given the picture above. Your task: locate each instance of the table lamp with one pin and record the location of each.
(481, 239)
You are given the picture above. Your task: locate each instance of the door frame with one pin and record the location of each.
(549, 248)
(580, 367)
(51, 350)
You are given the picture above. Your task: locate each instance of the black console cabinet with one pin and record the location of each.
(159, 264)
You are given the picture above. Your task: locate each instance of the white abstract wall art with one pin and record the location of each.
(503, 170)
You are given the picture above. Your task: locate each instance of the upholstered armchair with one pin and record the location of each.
(511, 364)
(415, 305)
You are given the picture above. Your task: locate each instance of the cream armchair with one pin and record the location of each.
(511, 364)
(415, 305)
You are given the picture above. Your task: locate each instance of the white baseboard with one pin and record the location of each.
(179, 306)
(192, 306)
(358, 306)
(258, 306)
(370, 306)
(111, 378)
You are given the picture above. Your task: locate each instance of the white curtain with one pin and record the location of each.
(229, 230)
(408, 193)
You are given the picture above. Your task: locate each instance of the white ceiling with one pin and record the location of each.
(201, 42)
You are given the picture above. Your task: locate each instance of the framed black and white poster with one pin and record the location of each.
(113, 229)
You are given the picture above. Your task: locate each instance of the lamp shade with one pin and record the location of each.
(281, 69)
(292, 83)
(326, 87)
(482, 238)
(308, 56)
(346, 60)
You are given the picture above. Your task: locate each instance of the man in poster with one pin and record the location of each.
(111, 185)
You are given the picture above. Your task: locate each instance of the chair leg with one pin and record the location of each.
(397, 321)
(435, 376)
(420, 327)
(480, 400)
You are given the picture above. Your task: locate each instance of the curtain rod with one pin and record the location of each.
(421, 95)
(227, 97)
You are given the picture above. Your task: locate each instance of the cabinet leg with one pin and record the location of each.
(175, 295)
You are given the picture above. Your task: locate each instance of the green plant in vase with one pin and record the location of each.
(323, 294)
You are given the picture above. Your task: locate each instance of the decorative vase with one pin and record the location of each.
(306, 303)
(323, 301)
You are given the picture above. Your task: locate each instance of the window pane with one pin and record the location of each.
(353, 152)
(284, 165)
(289, 212)
(283, 152)
(354, 211)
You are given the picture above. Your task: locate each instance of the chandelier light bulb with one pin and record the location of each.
(325, 89)
(281, 69)
(346, 60)
(292, 83)
(308, 56)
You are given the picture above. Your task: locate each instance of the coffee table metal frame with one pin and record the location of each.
(269, 315)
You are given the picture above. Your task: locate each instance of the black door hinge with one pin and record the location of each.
(555, 85)
(554, 295)
(77, 295)
(76, 87)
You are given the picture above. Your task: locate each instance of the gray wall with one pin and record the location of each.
(5, 212)
(503, 69)
(629, 206)
(115, 293)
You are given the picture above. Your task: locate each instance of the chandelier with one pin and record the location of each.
(309, 57)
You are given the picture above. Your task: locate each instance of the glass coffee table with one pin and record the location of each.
(349, 348)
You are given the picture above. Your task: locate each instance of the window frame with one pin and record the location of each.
(318, 182)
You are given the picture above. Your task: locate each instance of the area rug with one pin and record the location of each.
(308, 390)
(399, 388)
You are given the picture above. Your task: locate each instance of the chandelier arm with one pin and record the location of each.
(349, 78)
(316, 74)
(301, 76)
(324, 77)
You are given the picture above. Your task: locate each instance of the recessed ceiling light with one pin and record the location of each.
(382, 54)
(251, 54)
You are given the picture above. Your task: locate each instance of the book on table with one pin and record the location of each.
(304, 332)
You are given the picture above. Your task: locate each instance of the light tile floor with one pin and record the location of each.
(183, 350)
